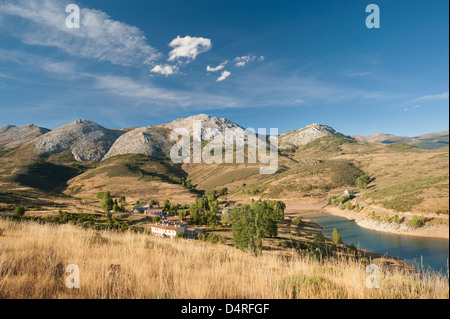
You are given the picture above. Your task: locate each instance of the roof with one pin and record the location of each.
(167, 227)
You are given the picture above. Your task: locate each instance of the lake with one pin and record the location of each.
(432, 251)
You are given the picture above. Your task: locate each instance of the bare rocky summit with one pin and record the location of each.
(87, 140)
(306, 135)
(208, 122)
(143, 140)
(12, 136)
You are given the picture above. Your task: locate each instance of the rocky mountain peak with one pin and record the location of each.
(87, 140)
(306, 135)
(12, 136)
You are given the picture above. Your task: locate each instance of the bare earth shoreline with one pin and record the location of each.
(302, 209)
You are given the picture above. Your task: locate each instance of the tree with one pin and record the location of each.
(363, 181)
(211, 195)
(156, 219)
(19, 211)
(166, 205)
(253, 223)
(116, 208)
(107, 202)
(336, 237)
(122, 200)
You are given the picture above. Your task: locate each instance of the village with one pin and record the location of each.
(171, 226)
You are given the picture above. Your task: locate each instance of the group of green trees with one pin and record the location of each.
(204, 211)
(363, 181)
(252, 223)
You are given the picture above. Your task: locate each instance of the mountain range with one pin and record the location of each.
(89, 141)
(83, 158)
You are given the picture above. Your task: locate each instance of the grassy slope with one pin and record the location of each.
(405, 178)
(35, 256)
(132, 175)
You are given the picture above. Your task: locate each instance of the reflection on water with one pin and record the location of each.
(434, 251)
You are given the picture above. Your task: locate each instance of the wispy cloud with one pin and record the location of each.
(188, 48)
(243, 60)
(223, 76)
(433, 97)
(42, 22)
(217, 68)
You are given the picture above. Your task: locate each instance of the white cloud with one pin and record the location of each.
(224, 76)
(188, 47)
(42, 22)
(217, 68)
(243, 60)
(165, 69)
(442, 96)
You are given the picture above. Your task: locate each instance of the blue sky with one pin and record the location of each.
(259, 63)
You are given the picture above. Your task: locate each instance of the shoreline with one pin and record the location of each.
(364, 222)
(294, 208)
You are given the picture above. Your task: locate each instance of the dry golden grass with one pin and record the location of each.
(33, 258)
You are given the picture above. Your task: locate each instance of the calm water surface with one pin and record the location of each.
(412, 249)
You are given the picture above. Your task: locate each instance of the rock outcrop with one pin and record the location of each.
(144, 140)
(12, 136)
(306, 135)
(87, 140)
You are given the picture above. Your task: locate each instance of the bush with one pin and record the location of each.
(442, 211)
(396, 219)
(417, 222)
(297, 221)
(19, 211)
(336, 237)
(156, 219)
(319, 239)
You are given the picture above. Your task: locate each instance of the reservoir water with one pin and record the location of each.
(431, 252)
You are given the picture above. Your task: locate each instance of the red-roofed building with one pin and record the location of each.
(164, 230)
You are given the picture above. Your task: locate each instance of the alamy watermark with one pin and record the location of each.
(74, 17)
(373, 280)
(73, 280)
(229, 146)
(373, 19)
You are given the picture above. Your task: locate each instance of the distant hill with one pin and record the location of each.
(427, 141)
(12, 136)
(306, 135)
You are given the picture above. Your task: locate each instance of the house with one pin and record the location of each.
(193, 232)
(349, 192)
(153, 211)
(173, 218)
(140, 209)
(165, 230)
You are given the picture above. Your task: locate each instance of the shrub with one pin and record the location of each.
(319, 239)
(396, 219)
(297, 221)
(417, 222)
(19, 211)
(156, 219)
(336, 237)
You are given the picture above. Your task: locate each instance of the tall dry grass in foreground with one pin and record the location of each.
(33, 258)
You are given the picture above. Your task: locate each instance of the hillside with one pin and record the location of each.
(12, 136)
(87, 141)
(427, 141)
(139, 266)
(306, 135)
(134, 175)
(83, 158)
